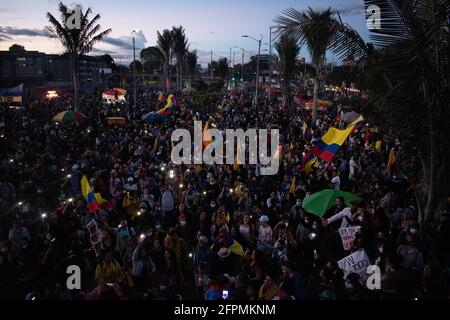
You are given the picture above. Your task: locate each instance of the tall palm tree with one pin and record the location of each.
(191, 63)
(179, 46)
(411, 96)
(316, 29)
(164, 43)
(222, 67)
(288, 50)
(76, 42)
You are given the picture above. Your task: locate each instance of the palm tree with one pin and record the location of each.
(316, 29)
(179, 46)
(408, 88)
(191, 63)
(222, 68)
(164, 43)
(76, 42)
(288, 50)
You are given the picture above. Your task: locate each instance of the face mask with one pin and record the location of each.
(348, 285)
(314, 226)
(306, 221)
(360, 218)
(183, 223)
(413, 230)
(158, 226)
(24, 246)
(3, 250)
(213, 205)
(298, 203)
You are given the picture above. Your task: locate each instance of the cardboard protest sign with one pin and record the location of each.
(344, 223)
(348, 236)
(95, 237)
(357, 262)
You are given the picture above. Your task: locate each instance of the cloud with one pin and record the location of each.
(102, 51)
(13, 31)
(350, 8)
(4, 37)
(126, 43)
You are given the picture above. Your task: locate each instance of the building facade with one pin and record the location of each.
(33, 68)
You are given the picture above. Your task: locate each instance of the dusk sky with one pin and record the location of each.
(210, 24)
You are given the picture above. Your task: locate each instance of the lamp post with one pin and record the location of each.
(270, 62)
(242, 65)
(257, 66)
(211, 65)
(134, 73)
(231, 48)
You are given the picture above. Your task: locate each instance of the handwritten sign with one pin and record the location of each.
(348, 236)
(357, 262)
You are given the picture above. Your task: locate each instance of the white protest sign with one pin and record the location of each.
(348, 236)
(344, 223)
(357, 262)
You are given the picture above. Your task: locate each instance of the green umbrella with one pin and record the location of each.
(320, 202)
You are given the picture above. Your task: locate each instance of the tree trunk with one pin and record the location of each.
(75, 81)
(315, 96)
(166, 74)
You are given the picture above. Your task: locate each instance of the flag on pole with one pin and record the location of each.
(391, 160)
(332, 140)
(89, 195)
(293, 186)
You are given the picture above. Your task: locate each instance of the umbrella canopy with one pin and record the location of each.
(116, 120)
(69, 116)
(154, 116)
(320, 202)
(115, 92)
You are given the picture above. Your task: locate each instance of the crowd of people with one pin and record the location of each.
(204, 231)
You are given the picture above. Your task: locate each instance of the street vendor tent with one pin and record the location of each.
(116, 121)
(114, 95)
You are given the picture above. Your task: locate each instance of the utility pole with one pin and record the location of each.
(134, 76)
(257, 66)
(211, 65)
(270, 63)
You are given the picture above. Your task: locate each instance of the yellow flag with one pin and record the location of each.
(293, 186)
(391, 159)
(85, 187)
(378, 145)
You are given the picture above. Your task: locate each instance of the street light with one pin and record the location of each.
(270, 61)
(242, 65)
(231, 48)
(257, 65)
(134, 69)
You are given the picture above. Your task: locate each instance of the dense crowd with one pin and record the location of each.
(204, 232)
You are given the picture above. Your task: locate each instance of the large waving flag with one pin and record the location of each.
(328, 146)
(333, 139)
(94, 201)
(89, 195)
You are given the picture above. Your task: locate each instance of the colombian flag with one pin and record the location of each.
(310, 160)
(331, 141)
(89, 195)
(94, 201)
